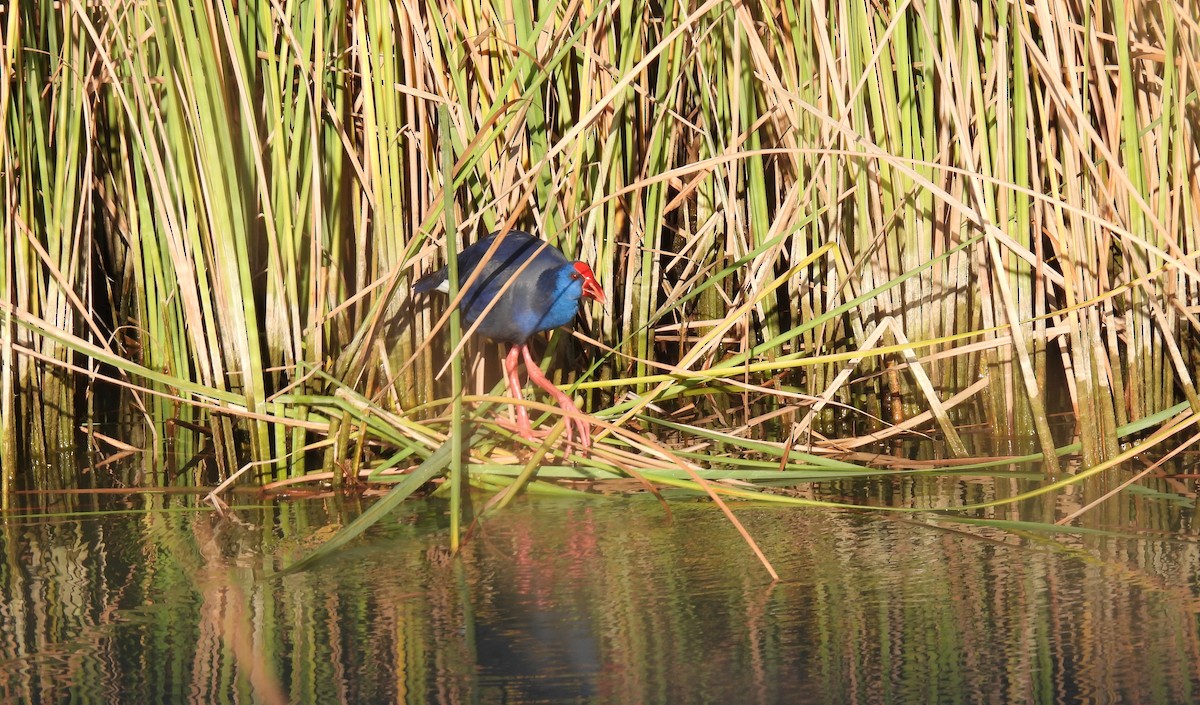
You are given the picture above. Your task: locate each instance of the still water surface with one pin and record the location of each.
(600, 601)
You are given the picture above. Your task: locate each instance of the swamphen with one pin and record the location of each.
(544, 293)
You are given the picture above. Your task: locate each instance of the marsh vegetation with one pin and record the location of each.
(826, 232)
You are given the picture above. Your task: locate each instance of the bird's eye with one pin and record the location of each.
(576, 275)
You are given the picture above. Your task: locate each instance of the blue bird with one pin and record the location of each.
(525, 287)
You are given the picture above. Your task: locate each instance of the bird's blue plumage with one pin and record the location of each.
(543, 295)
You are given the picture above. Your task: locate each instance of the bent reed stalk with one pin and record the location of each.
(222, 205)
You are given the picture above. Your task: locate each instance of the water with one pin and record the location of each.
(594, 601)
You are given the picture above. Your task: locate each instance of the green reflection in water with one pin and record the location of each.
(592, 601)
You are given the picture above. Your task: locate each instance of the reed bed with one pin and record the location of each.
(820, 227)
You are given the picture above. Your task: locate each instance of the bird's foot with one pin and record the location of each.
(524, 430)
(578, 433)
(578, 429)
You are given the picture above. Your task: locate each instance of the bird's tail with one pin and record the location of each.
(429, 282)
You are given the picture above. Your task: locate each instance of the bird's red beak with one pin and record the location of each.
(591, 287)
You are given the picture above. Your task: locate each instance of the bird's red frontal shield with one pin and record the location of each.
(591, 287)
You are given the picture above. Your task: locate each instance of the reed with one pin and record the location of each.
(217, 208)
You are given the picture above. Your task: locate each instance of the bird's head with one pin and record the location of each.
(591, 288)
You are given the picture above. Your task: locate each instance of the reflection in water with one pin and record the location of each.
(593, 601)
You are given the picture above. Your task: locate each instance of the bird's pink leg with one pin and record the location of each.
(514, 390)
(577, 426)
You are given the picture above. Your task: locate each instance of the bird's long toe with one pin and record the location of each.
(524, 429)
(579, 434)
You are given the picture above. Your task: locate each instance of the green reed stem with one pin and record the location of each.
(457, 467)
